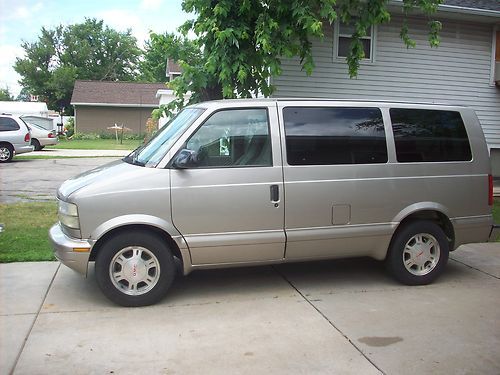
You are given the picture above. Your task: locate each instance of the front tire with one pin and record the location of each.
(418, 253)
(135, 268)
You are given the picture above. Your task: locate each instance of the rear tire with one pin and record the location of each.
(418, 253)
(6, 153)
(135, 268)
(36, 144)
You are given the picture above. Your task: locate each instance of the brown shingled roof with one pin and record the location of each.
(173, 67)
(118, 93)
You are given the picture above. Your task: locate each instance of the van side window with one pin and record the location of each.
(333, 135)
(232, 138)
(8, 124)
(423, 135)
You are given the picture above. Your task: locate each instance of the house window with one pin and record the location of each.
(344, 38)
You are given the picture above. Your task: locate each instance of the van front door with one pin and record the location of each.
(227, 201)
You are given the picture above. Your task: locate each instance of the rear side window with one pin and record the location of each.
(8, 124)
(332, 135)
(423, 135)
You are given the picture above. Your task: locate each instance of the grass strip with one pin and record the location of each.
(25, 235)
(97, 144)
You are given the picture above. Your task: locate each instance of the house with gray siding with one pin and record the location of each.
(464, 69)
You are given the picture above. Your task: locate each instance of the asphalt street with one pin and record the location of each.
(39, 179)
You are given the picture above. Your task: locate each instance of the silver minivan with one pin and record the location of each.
(263, 181)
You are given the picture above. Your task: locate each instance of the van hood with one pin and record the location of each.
(104, 172)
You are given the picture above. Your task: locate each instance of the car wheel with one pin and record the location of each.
(135, 268)
(6, 153)
(418, 253)
(36, 144)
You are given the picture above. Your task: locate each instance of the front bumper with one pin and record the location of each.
(494, 233)
(71, 252)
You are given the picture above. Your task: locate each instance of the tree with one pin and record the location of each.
(244, 41)
(5, 94)
(88, 50)
(24, 95)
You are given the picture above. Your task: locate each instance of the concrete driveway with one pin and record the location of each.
(343, 317)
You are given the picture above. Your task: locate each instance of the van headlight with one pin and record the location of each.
(68, 215)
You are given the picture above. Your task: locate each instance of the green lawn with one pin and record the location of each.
(25, 234)
(26, 225)
(97, 144)
(496, 212)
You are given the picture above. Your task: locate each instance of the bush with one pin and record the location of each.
(69, 127)
(107, 135)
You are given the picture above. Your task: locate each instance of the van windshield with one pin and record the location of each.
(152, 152)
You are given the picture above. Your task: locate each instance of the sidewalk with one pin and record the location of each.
(80, 153)
(343, 316)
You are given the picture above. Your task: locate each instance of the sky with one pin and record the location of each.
(22, 20)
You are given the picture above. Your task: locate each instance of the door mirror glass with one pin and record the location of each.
(185, 159)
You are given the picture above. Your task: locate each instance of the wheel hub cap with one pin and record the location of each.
(134, 270)
(4, 153)
(421, 254)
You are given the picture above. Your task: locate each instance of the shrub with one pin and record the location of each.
(69, 127)
(107, 135)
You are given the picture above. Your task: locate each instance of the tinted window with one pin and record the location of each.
(423, 135)
(7, 124)
(318, 136)
(233, 138)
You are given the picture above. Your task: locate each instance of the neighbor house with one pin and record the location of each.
(102, 104)
(464, 69)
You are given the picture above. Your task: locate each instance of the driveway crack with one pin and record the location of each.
(327, 319)
(37, 314)
(474, 268)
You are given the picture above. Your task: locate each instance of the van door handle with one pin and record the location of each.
(275, 193)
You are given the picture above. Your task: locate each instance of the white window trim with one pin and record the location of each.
(337, 35)
(493, 51)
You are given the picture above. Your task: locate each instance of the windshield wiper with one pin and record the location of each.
(132, 157)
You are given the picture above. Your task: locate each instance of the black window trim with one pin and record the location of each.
(183, 146)
(387, 139)
(396, 161)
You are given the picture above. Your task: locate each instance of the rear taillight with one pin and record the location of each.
(51, 135)
(27, 137)
(490, 190)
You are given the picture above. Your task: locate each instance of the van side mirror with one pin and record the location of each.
(184, 159)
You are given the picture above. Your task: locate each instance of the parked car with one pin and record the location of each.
(248, 182)
(15, 137)
(41, 137)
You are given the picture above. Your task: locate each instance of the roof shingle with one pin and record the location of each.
(475, 4)
(120, 93)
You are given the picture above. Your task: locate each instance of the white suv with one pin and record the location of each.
(15, 137)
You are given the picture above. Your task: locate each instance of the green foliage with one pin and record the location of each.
(106, 135)
(5, 94)
(70, 127)
(88, 50)
(24, 95)
(245, 41)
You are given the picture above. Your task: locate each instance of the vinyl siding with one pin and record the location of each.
(98, 119)
(457, 72)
